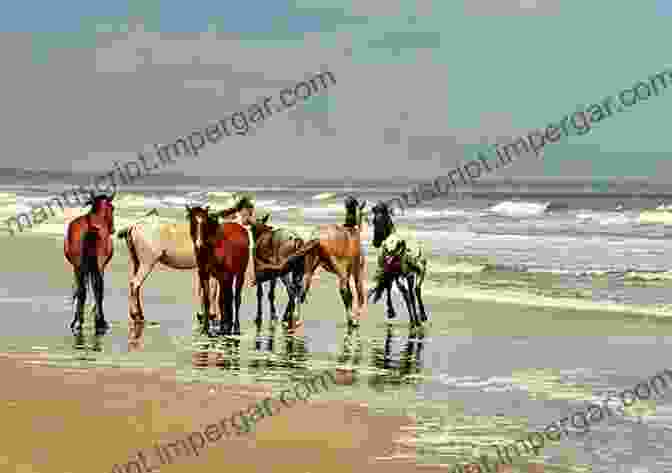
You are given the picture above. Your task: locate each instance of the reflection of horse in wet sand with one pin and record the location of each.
(150, 242)
(295, 354)
(396, 369)
(88, 248)
(350, 357)
(225, 355)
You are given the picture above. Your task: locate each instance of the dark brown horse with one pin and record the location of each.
(272, 248)
(222, 251)
(338, 249)
(88, 248)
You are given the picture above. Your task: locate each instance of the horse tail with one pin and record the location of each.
(88, 269)
(306, 248)
(296, 260)
(128, 233)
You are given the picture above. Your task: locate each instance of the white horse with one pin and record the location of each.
(149, 242)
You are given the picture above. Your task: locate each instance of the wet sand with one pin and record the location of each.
(84, 420)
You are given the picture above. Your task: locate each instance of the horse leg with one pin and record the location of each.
(346, 296)
(80, 299)
(214, 294)
(418, 295)
(410, 280)
(404, 293)
(226, 305)
(260, 302)
(136, 282)
(204, 277)
(310, 265)
(359, 286)
(98, 284)
(135, 312)
(291, 296)
(391, 313)
(271, 298)
(238, 299)
(343, 282)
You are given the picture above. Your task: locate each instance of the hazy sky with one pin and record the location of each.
(419, 83)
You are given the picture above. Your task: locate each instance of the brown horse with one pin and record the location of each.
(272, 245)
(338, 249)
(222, 251)
(88, 248)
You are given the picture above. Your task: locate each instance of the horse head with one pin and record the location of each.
(199, 221)
(102, 205)
(260, 226)
(353, 211)
(382, 223)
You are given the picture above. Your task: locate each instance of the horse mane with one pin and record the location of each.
(94, 202)
(383, 209)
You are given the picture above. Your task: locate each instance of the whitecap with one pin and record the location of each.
(519, 209)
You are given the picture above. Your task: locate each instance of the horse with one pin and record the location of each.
(88, 248)
(398, 259)
(272, 245)
(150, 242)
(337, 249)
(222, 251)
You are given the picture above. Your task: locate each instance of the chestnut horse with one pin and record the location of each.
(88, 248)
(338, 249)
(222, 251)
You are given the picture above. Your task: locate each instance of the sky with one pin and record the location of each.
(420, 84)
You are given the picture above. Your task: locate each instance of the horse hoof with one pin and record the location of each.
(224, 330)
(102, 330)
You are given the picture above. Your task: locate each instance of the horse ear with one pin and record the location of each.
(362, 205)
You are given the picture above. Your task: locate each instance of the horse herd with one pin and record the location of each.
(219, 253)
